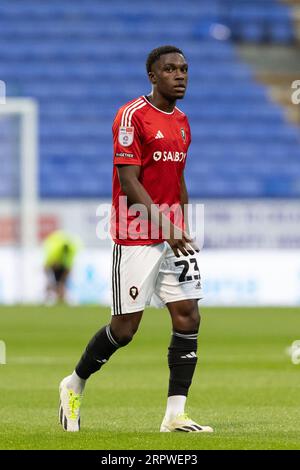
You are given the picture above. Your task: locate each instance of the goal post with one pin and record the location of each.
(18, 192)
(26, 110)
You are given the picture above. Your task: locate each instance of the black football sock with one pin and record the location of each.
(182, 359)
(97, 353)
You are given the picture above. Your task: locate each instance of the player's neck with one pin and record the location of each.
(161, 102)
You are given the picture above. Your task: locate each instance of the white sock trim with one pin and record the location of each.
(180, 335)
(111, 339)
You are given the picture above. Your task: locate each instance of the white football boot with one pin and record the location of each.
(183, 423)
(69, 407)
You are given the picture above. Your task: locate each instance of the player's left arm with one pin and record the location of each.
(184, 200)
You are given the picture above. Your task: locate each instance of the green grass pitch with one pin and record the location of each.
(245, 385)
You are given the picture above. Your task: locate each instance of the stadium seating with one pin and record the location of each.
(82, 60)
(258, 21)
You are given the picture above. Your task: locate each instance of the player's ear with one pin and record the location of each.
(152, 77)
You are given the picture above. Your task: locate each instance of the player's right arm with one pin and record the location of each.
(137, 194)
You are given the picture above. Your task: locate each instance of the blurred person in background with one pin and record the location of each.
(60, 250)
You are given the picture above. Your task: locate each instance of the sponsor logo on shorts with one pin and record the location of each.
(133, 292)
(198, 285)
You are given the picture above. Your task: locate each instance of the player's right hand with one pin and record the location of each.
(182, 243)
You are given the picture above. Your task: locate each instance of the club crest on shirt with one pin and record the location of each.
(133, 292)
(126, 136)
(183, 134)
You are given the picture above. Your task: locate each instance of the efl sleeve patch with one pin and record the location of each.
(126, 136)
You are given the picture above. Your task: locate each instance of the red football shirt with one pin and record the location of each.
(158, 142)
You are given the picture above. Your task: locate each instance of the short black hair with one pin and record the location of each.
(159, 51)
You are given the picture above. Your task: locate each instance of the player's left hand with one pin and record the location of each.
(191, 244)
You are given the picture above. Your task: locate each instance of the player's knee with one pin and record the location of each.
(124, 338)
(196, 318)
(124, 328)
(189, 319)
(193, 321)
(124, 335)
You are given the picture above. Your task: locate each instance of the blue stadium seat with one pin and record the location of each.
(83, 60)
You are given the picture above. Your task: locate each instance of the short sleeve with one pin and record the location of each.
(127, 141)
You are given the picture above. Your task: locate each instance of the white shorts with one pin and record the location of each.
(144, 272)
